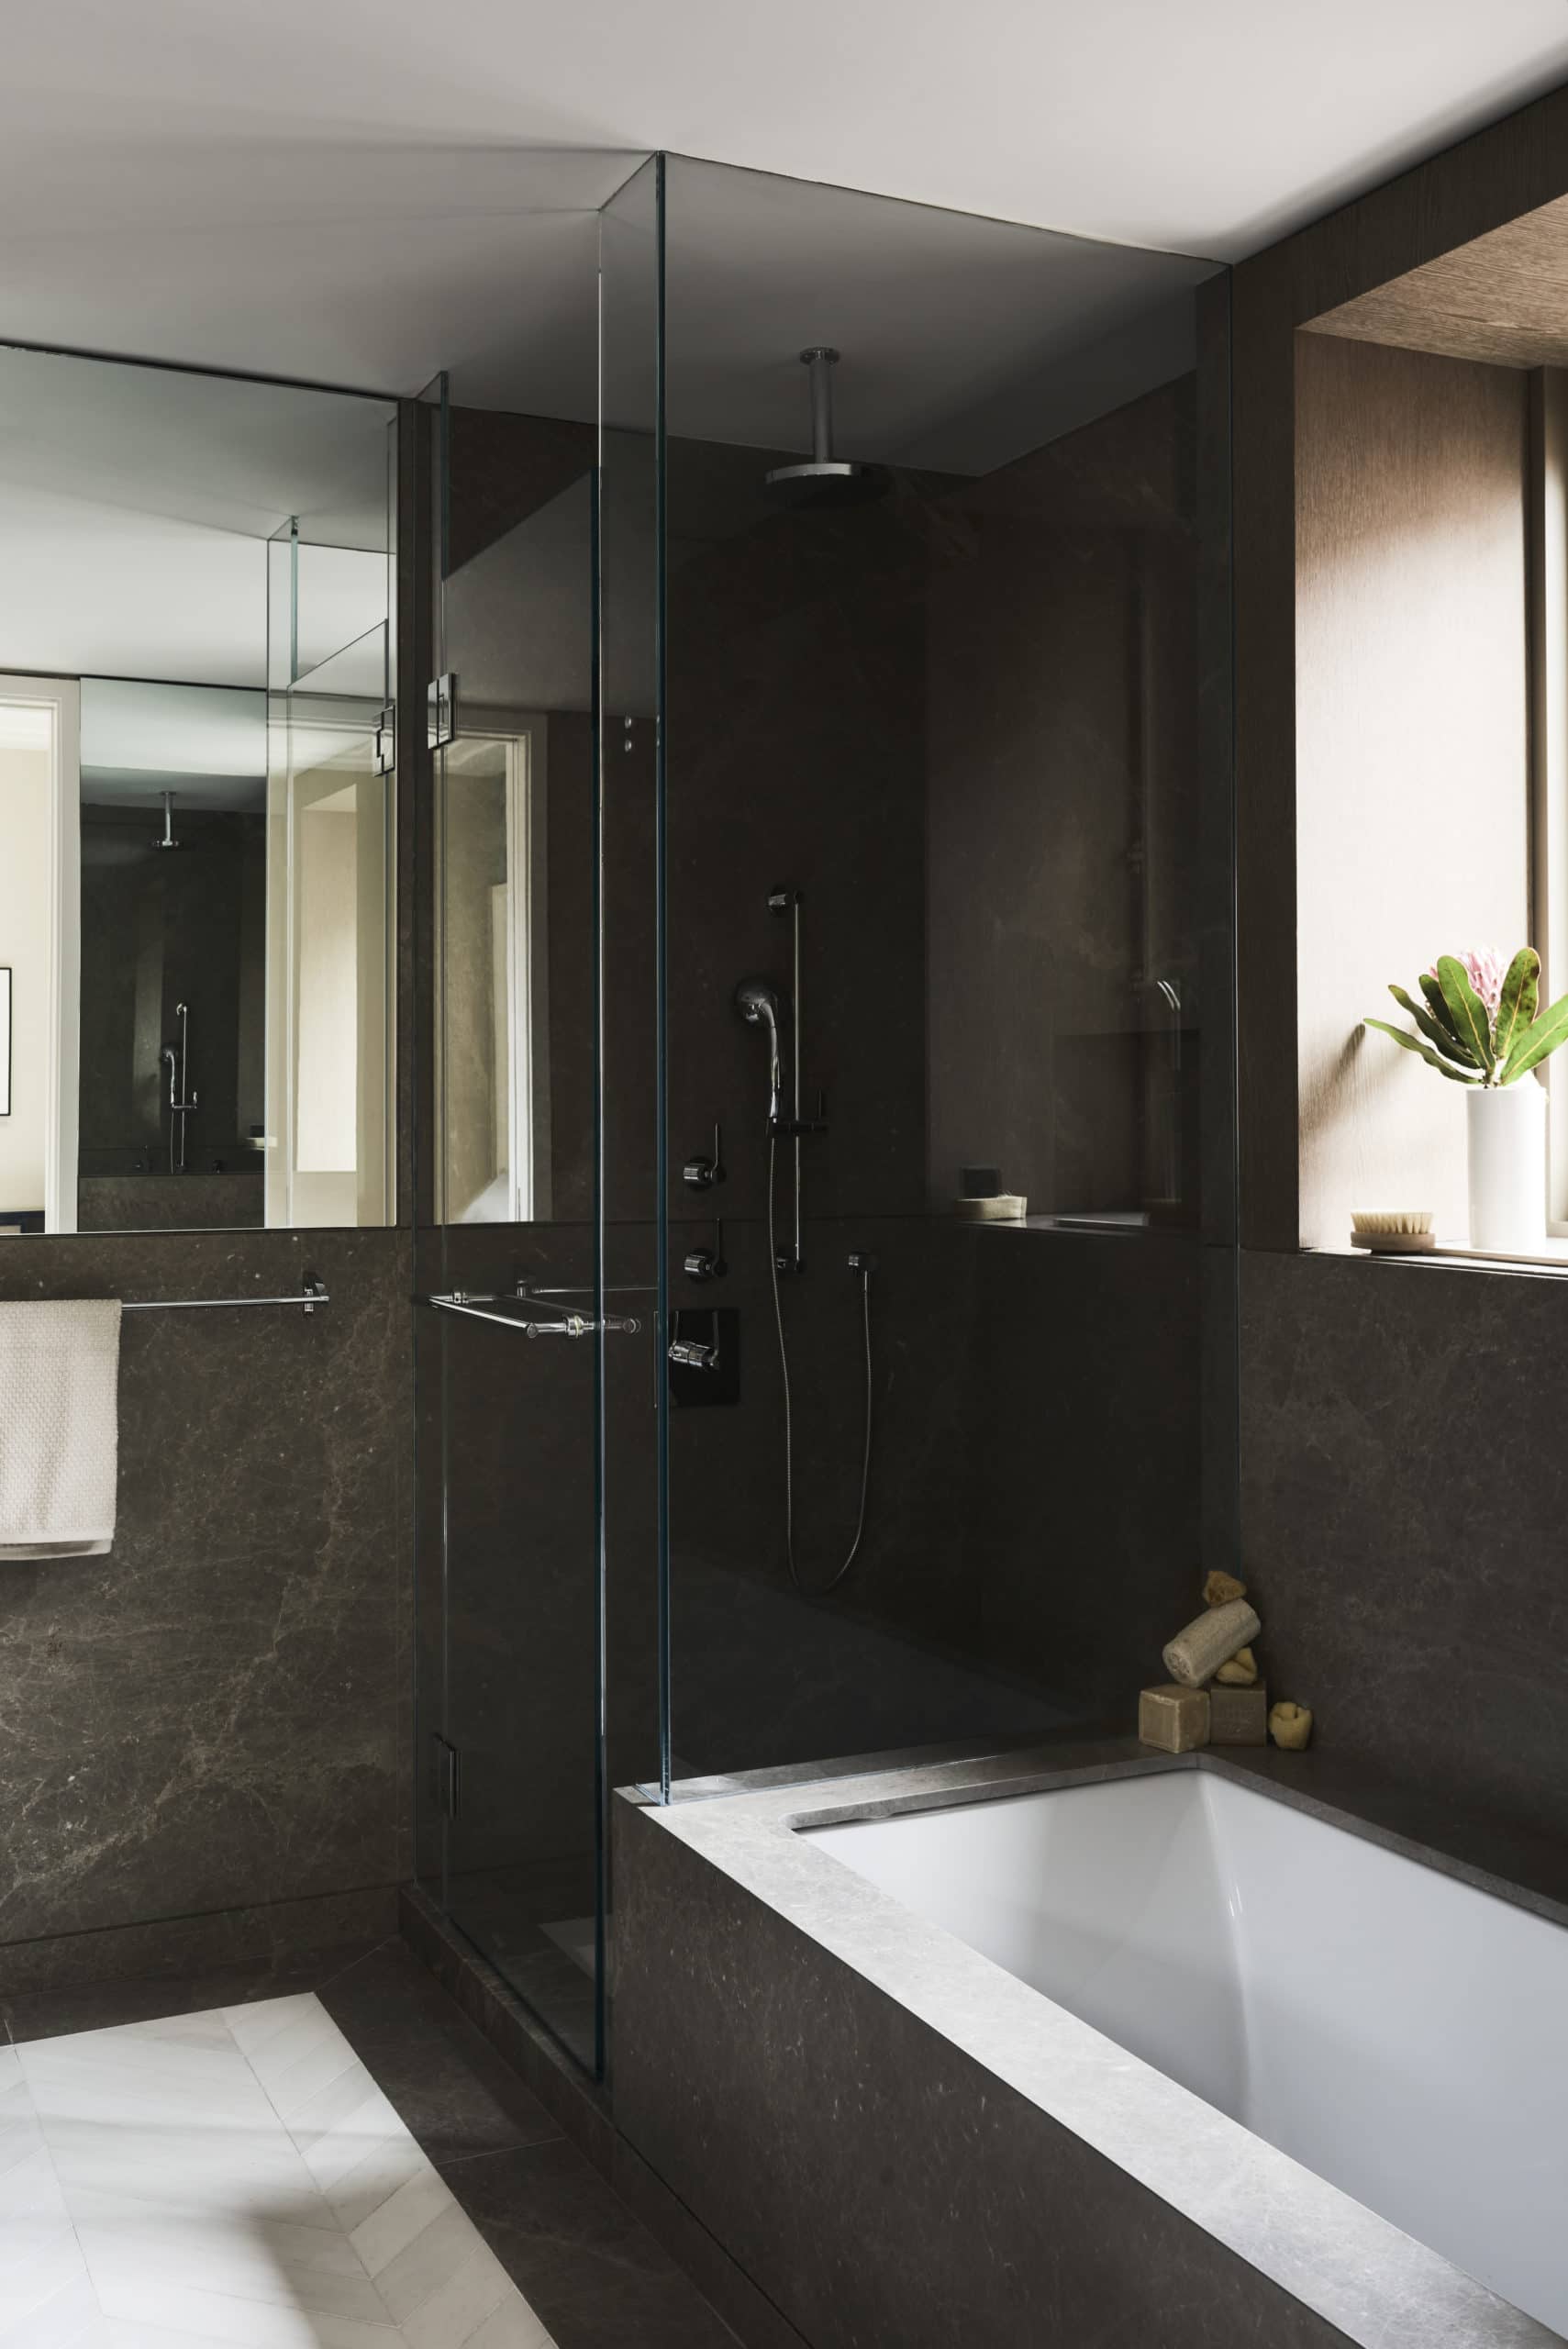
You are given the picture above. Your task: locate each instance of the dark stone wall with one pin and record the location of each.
(1404, 1496)
(960, 721)
(214, 1717)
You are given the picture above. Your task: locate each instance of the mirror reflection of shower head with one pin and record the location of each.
(826, 478)
(758, 1004)
(166, 838)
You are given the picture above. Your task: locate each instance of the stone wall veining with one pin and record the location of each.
(212, 1715)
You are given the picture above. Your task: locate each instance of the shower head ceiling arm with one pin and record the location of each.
(821, 359)
(848, 478)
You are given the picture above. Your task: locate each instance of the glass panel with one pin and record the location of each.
(634, 1147)
(937, 779)
(510, 1676)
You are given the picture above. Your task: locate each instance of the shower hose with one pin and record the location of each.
(816, 1590)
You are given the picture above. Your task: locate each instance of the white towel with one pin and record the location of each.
(59, 1428)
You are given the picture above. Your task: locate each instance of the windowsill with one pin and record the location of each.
(1552, 1259)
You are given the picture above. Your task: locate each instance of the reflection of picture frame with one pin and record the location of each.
(5, 1041)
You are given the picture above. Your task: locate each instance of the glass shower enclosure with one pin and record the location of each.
(828, 1204)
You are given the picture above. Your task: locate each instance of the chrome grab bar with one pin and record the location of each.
(571, 1325)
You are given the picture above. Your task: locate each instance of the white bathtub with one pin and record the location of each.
(1398, 2033)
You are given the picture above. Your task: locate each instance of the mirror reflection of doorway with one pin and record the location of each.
(493, 1029)
(40, 950)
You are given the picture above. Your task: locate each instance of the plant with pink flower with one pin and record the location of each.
(1485, 970)
(1480, 1019)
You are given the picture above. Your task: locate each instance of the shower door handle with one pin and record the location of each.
(579, 1325)
(477, 1307)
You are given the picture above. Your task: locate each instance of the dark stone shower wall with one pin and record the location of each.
(212, 1718)
(959, 722)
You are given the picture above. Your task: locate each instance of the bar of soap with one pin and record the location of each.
(1290, 1725)
(1174, 1718)
(1237, 1716)
(1196, 1654)
(1241, 1670)
(1219, 1589)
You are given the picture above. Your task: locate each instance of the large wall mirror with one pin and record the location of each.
(198, 793)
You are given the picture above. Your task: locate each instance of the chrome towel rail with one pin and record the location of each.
(313, 1294)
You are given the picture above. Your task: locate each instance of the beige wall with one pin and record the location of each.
(328, 1020)
(1412, 792)
(25, 921)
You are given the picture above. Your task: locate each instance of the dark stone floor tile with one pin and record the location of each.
(451, 2088)
(593, 2271)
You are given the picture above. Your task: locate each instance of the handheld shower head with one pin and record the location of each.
(758, 1004)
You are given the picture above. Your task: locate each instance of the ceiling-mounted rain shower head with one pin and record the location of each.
(166, 838)
(826, 478)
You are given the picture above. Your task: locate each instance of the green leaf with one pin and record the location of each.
(1543, 1036)
(1516, 1006)
(1443, 1037)
(1470, 1021)
(1434, 996)
(1414, 1045)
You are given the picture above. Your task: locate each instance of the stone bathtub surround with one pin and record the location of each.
(988, 2158)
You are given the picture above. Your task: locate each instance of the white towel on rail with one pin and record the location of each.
(59, 1428)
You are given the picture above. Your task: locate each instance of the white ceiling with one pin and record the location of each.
(362, 191)
(207, 743)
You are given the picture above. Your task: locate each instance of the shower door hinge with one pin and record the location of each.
(386, 739)
(440, 700)
(446, 1775)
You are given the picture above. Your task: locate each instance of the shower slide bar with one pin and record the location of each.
(313, 1294)
(571, 1325)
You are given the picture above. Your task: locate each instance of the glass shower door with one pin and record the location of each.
(508, 1387)
(539, 1246)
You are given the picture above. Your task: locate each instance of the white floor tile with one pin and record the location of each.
(233, 2180)
(382, 2171)
(418, 2202)
(453, 2313)
(511, 2325)
(428, 2263)
(41, 2266)
(254, 2025)
(69, 2318)
(299, 2062)
(242, 2324)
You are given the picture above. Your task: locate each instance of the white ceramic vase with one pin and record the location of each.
(1506, 1145)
